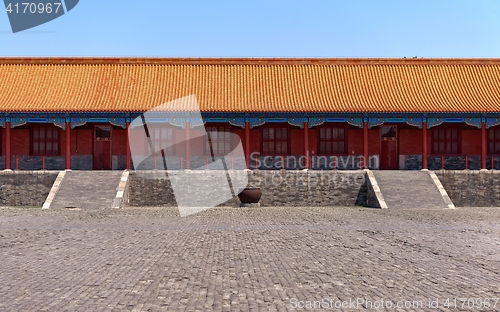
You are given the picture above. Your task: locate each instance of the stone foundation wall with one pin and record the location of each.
(81, 162)
(471, 188)
(472, 162)
(279, 188)
(25, 188)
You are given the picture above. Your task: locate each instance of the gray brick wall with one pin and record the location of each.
(25, 188)
(279, 188)
(471, 188)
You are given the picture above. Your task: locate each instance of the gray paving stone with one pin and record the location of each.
(87, 189)
(244, 259)
(408, 189)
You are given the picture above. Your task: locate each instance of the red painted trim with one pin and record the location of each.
(306, 146)
(127, 146)
(68, 146)
(188, 148)
(7, 146)
(247, 144)
(424, 146)
(483, 145)
(365, 145)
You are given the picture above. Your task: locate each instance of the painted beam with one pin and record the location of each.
(483, 146)
(188, 146)
(7, 146)
(424, 146)
(247, 144)
(306, 145)
(68, 146)
(365, 144)
(127, 144)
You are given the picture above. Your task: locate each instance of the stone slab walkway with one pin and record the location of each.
(409, 189)
(87, 189)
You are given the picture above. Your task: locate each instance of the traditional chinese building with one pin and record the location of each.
(73, 113)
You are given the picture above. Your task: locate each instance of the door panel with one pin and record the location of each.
(102, 155)
(388, 157)
(102, 148)
(389, 147)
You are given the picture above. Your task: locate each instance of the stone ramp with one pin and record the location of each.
(87, 189)
(411, 189)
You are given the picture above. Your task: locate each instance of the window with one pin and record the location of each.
(388, 132)
(103, 133)
(446, 140)
(218, 140)
(275, 141)
(45, 140)
(161, 138)
(494, 140)
(331, 140)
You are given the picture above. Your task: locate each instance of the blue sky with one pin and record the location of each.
(239, 28)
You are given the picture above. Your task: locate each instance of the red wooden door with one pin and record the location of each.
(102, 155)
(102, 148)
(388, 148)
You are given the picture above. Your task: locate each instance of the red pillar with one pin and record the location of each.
(127, 145)
(247, 144)
(68, 146)
(188, 151)
(7, 146)
(483, 145)
(424, 145)
(306, 145)
(365, 145)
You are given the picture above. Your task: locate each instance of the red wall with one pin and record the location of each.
(471, 142)
(119, 141)
(355, 142)
(85, 141)
(20, 142)
(410, 141)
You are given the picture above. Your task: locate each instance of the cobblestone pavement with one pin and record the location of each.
(255, 259)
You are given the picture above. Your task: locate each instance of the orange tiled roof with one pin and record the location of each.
(251, 85)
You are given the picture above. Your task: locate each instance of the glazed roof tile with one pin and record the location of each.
(250, 85)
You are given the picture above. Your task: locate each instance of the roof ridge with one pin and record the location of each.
(248, 61)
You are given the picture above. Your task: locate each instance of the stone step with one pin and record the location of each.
(87, 189)
(409, 189)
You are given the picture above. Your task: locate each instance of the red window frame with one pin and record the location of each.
(43, 136)
(494, 141)
(273, 140)
(445, 142)
(332, 140)
(219, 140)
(160, 136)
